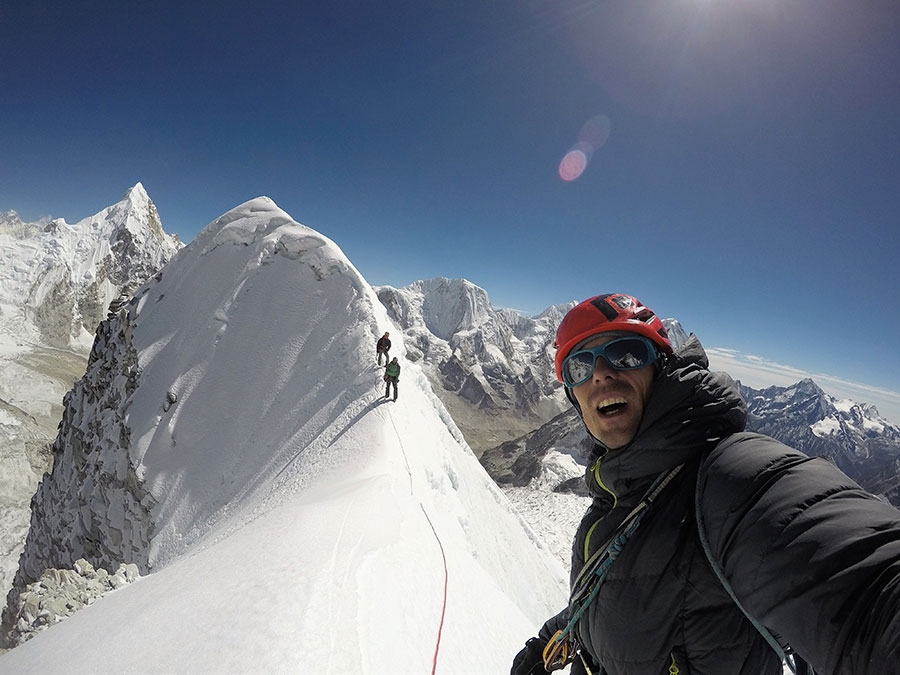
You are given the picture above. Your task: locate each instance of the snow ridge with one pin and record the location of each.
(233, 405)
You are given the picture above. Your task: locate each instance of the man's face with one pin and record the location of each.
(612, 401)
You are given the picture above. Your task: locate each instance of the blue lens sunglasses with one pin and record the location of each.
(625, 353)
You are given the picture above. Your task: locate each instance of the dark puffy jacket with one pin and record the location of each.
(807, 551)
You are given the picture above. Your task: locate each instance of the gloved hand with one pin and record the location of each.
(529, 661)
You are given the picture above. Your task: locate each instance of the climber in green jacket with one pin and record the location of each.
(391, 376)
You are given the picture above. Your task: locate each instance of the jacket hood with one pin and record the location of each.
(689, 410)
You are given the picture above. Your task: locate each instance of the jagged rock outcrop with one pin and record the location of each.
(92, 505)
(59, 593)
(57, 281)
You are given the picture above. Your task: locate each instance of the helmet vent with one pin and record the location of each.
(600, 302)
(644, 315)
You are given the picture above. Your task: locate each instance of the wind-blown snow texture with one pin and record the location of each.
(298, 521)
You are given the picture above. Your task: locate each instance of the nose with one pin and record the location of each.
(602, 369)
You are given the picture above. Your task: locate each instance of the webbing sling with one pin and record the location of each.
(784, 651)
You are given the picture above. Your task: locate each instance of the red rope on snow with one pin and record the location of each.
(437, 646)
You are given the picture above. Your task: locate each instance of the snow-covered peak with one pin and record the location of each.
(862, 443)
(10, 221)
(449, 306)
(556, 313)
(264, 296)
(13, 229)
(677, 335)
(57, 279)
(230, 436)
(804, 398)
(135, 212)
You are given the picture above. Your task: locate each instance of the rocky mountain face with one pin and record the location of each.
(91, 514)
(520, 462)
(854, 436)
(109, 511)
(492, 368)
(57, 281)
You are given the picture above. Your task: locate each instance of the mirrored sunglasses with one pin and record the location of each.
(624, 353)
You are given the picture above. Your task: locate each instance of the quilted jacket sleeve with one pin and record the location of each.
(807, 551)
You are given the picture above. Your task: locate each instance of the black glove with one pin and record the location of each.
(529, 661)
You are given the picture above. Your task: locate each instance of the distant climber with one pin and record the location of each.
(391, 376)
(382, 347)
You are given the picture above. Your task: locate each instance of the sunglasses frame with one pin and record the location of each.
(600, 352)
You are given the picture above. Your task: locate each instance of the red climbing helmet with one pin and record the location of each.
(603, 313)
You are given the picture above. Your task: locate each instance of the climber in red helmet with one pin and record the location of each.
(707, 550)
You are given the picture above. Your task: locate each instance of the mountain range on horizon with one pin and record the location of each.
(159, 381)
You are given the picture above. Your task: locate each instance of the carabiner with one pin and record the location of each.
(557, 652)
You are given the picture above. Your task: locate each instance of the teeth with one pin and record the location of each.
(611, 401)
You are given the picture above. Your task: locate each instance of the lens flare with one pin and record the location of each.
(572, 165)
(595, 132)
(592, 137)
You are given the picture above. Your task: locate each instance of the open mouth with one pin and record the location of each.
(611, 406)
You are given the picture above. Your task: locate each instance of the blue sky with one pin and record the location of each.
(743, 156)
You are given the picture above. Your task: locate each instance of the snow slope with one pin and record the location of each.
(301, 522)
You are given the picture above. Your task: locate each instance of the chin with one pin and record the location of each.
(613, 440)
